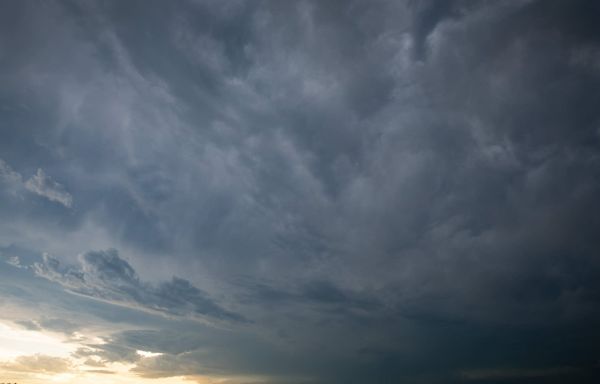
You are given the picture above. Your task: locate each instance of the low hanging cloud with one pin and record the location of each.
(106, 276)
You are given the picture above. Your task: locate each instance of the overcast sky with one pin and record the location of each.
(300, 192)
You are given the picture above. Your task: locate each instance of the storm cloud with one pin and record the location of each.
(347, 191)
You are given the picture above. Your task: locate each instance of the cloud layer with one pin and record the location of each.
(349, 191)
(104, 275)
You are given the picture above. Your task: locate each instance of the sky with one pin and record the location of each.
(299, 192)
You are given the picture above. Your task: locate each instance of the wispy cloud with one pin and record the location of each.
(104, 275)
(8, 177)
(40, 184)
(44, 186)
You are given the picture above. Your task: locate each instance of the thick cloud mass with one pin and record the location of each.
(350, 191)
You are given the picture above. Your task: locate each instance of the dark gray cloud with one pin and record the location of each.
(29, 325)
(390, 190)
(104, 275)
(50, 324)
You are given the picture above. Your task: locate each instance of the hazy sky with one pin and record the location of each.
(299, 192)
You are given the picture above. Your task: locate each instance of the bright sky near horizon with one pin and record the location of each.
(42, 357)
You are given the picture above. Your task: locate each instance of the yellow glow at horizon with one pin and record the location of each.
(99, 378)
(62, 377)
(17, 342)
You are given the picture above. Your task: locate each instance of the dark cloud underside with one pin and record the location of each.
(350, 191)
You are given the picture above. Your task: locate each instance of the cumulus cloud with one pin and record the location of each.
(104, 275)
